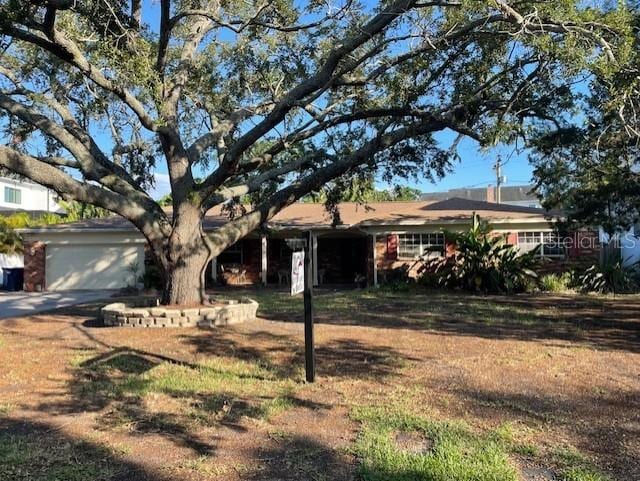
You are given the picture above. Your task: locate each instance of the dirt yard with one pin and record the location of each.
(410, 386)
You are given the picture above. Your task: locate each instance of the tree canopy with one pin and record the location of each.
(361, 188)
(591, 169)
(275, 99)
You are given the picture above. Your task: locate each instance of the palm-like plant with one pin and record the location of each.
(10, 240)
(482, 262)
(611, 277)
(80, 211)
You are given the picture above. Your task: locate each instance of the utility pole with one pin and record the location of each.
(498, 169)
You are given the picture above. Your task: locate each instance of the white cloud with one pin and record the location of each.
(162, 186)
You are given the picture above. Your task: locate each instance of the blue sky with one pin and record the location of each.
(474, 170)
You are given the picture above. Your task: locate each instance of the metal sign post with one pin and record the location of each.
(302, 281)
(309, 351)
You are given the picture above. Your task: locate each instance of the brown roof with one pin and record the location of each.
(405, 213)
(307, 215)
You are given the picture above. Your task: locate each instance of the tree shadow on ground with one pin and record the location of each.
(114, 383)
(294, 458)
(33, 450)
(617, 440)
(348, 358)
(600, 322)
(96, 387)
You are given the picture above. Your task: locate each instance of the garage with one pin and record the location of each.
(94, 254)
(99, 266)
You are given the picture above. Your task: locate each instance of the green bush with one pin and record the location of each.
(79, 210)
(10, 240)
(481, 263)
(397, 279)
(152, 276)
(556, 282)
(611, 277)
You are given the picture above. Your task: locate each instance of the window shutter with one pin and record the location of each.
(392, 247)
(449, 247)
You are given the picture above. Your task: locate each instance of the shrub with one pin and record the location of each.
(482, 263)
(556, 282)
(397, 279)
(79, 210)
(10, 240)
(611, 277)
(152, 276)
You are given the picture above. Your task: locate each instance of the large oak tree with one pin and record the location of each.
(272, 100)
(591, 169)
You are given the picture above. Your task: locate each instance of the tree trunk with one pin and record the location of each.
(185, 259)
(184, 280)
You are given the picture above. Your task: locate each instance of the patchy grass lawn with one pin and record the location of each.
(411, 386)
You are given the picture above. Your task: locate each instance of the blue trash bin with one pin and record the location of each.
(13, 278)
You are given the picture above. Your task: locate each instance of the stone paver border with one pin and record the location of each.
(147, 313)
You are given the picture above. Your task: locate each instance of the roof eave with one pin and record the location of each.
(77, 230)
(293, 227)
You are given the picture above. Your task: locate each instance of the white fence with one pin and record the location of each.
(12, 260)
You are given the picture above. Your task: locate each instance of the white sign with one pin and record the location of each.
(297, 272)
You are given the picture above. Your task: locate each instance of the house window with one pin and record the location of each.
(12, 196)
(549, 242)
(415, 245)
(231, 256)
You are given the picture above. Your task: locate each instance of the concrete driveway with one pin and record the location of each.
(14, 304)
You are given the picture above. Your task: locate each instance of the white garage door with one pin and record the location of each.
(91, 266)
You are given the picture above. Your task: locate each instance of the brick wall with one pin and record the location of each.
(35, 255)
(585, 252)
(389, 260)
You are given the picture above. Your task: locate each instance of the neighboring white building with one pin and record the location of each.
(25, 196)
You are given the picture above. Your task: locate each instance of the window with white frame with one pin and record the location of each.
(415, 245)
(549, 243)
(12, 196)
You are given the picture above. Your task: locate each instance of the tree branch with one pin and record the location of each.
(152, 223)
(318, 81)
(64, 49)
(235, 229)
